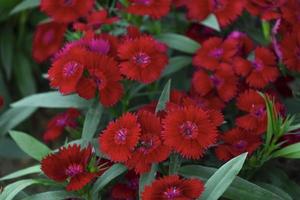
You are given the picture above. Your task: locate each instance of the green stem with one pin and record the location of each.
(175, 162)
(266, 28)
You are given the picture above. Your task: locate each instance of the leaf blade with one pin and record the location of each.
(164, 97)
(24, 5)
(22, 172)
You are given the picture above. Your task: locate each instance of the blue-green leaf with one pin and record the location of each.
(11, 190)
(164, 97)
(291, 151)
(6, 51)
(212, 22)
(52, 195)
(147, 178)
(24, 5)
(176, 64)
(22, 172)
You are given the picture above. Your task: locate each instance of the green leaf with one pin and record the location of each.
(179, 42)
(52, 100)
(164, 97)
(110, 174)
(52, 195)
(276, 190)
(13, 117)
(22, 172)
(92, 120)
(11, 190)
(147, 178)
(6, 50)
(239, 189)
(30, 145)
(176, 64)
(24, 5)
(217, 184)
(212, 22)
(291, 151)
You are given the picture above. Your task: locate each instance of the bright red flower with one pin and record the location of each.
(259, 72)
(235, 142)
(255, 118)
(222, 80)
(66, 71)
(154, 8)
(104, 77)
(226, 11)
(244, 44)
(142, 58)
(215, 51)
(290, 47)
(69, 164)
(120, 138)
(150, 148)
(47, 40)
(189, 131)
(56, 125)
(173, 187)
(290, 12)
(66, 10)
(266, 9)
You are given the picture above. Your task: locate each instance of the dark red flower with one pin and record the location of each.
(199, 32)
(235, 142)
(215, 51)
(290, 138)
(290, 12)
(66, 10)
(189, 131)
(226, 11)
(173, 187)
(120, 138)
(154, 8)
(259, 72)
(255, 118)
(222, 80)
(69, 164)
(56, 125)
(47, 40)
(142, 58)
(244, 44)
(122, 191)
(150, 148)
(290, 47)
(66, 71)
(266, 9)
(104, 77)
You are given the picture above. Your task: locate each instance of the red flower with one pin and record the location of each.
(66, 71)
(290, 47)
(215, 51)
(150, 148)
(47, 40)
(173, 187)
(122, 192)
(254, 105)
(235, 142)
(259, 72)
(244, 43)
(69, 164)
(120, 138)
(226, 11)
(266, 9)
(104, 76)
(66, 10)
(199, 32)
(143, 59)
(223, 80)
(189, 131)
(290, 12)
(56, 125)
(154, 8)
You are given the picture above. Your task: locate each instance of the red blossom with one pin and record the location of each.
(66, 10)
(235, 142)
(266, 9)
(189, 131)
(69, 164)
(47, 40)
(142, 59)
(173, 187)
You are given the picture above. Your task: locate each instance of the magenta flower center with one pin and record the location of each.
(61, 121)
(121, 136)
(189, 129)
(48, 37)
(217, 53)
(68, 2)
(216, 80)
(141, 59)
(70, 68)
(241, 145)
(172, 193)
(217, 4)
(257, 65)
(98, 46)
(258, 111)
(143, 2)
(74, 169)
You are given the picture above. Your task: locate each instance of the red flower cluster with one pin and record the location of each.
(173, 187)
(127, 189)
(57, 124)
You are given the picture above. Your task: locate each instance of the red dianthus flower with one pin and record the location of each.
(267, 9)
(173, 187)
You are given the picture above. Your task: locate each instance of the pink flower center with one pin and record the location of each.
(61, 121)
(217, 53)
(142, 59)
(70, 68)
(98, 46)
(189, 129)
(68, 2)
(216, 81)
(217, 4)
(257, 65)
(258, 111)
(143, 2)
(241, 145)
(48, 37)
(172, 193)
(74, 169)
(121, 136)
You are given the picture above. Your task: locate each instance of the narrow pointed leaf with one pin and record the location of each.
(52, 195)
(164, 97)
(212, 22)
(147, 178)
(23, 172)
(11, 190)
(177, 63)
(24, 5)
(291, 151)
